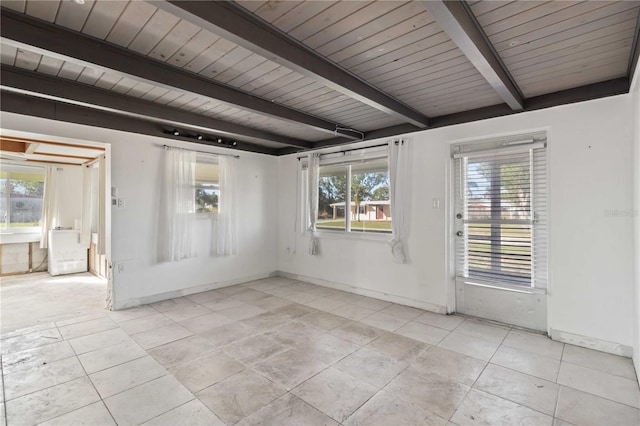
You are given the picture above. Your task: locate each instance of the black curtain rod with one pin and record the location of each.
(349, 150)
(201, 152)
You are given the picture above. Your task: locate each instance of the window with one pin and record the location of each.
(207, 190)
(21, 193)
(501, 215)
(362, 177)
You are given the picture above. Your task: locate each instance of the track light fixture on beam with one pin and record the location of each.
(202, 138)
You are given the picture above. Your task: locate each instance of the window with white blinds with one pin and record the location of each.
(501, 214)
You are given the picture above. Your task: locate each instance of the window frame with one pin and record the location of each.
(347, 159)
(535, 145)
(9, 167)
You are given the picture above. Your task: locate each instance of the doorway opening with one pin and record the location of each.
(55, 209)
(500, 230)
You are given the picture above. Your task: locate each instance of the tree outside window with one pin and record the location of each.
(368, 209)
(207, 191)
(20, 198)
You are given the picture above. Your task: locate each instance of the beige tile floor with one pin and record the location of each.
(284, 352)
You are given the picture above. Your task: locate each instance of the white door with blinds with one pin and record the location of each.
(500, 227)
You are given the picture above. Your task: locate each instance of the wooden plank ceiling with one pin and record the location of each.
(410, 65)
(14, 146)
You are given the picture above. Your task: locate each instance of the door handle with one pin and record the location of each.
(459, 233)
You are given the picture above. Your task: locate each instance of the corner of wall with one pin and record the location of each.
(635, 117)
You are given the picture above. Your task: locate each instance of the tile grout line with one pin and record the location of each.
(181, 405)
(139, 384)
(90, 381)
(386, 384)
(555, 382)
(4, 395)
(316, 374)
(555, 409)
(360, 347)
(525, 374)
(483, 369)
(599, 396)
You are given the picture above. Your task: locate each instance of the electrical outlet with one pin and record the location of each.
(121, 203)
(436, 203)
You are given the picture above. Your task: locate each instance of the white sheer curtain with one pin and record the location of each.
(177, 206)
(226, 229)
(49, 204)
(87, 199)
(314, 180)
(102, 205)
(399, 197)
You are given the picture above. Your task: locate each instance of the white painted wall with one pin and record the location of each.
(635, 119)
(590, 172)
(135, 171)
(591, 268)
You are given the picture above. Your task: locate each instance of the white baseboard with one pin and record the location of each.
(427, 306)
(130, 303)
(592, 343)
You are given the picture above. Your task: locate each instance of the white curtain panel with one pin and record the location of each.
(102, 205)
(226, 229)
(399, 197)
(49, 204)
(314, 180)
(177, 206)
(85, 214)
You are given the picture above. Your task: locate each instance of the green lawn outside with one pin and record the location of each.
(19, 225)
(365, 225)
(516, 247)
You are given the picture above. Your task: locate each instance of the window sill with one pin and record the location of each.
(360, 236)
(204, 216)
(19, 237)
(504, 287)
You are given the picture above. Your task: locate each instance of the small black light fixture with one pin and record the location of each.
(203, 138)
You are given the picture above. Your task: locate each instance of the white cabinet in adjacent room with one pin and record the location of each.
(66, 254)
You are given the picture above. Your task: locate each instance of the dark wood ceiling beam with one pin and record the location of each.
(617, 86)
(56, 110)
(589, 92)
(36, 84)
(41, 37)
(240, 26)
(458, 22)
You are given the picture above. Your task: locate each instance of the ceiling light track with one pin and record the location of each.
(204, 139)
